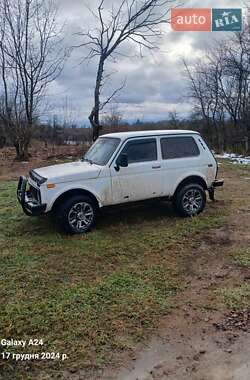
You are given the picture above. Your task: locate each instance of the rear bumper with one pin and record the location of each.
(30, 206)
(215, 184)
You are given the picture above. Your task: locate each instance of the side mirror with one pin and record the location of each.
(121, 162)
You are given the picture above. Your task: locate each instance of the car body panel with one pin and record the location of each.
(72, 171)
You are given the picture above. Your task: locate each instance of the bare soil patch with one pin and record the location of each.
(10, 169)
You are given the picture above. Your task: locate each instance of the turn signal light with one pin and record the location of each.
(51, 186)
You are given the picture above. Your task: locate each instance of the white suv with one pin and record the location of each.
(122, 168)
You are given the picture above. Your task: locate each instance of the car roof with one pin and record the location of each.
(127, 135)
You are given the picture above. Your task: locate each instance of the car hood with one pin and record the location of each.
(73, 171)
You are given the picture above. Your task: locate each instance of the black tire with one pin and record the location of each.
(77, 208)
(190, 200)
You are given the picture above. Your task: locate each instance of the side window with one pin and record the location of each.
(179, 147)
(141, 150)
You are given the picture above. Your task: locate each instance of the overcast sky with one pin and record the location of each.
(154, 84)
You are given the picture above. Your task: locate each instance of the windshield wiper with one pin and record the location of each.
(87, 160)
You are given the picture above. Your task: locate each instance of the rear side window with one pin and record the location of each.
(141, 150)
(179, 147)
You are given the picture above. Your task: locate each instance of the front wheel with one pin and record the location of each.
(190, 200)
(77, 214)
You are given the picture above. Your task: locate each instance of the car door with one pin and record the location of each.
(142, 178)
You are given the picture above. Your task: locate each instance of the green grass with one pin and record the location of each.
(89, 296)
(237, 297)
(242, 258)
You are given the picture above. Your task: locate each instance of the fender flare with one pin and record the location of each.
(195, 178)
(72, 192)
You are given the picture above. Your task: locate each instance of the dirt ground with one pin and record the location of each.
(194, 341)
(10, 169)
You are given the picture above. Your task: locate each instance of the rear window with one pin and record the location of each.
(179, 147)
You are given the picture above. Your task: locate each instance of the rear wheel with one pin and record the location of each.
(190, 200)
(77, 214)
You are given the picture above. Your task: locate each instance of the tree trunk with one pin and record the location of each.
(22, 150)
(94, 116)
(94, 121)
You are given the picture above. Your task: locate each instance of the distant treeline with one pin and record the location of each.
(55, 134)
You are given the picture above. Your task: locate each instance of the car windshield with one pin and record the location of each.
(101, 152)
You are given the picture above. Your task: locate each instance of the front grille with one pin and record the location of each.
(34, 194)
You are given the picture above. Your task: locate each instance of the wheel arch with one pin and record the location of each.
(73, 192)
(191, 179)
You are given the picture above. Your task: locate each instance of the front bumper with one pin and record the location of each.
(30, 206)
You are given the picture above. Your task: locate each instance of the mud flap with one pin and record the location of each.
(211, 193)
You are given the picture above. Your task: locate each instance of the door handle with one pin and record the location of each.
(156, 166)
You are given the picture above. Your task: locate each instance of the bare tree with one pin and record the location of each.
(204, 78)
(173, 119)
(113, 118)
(219, 83)
(136, 21)
(31, 57)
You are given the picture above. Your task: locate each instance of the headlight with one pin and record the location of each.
(37, 178)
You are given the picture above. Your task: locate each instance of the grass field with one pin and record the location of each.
(89, 296)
